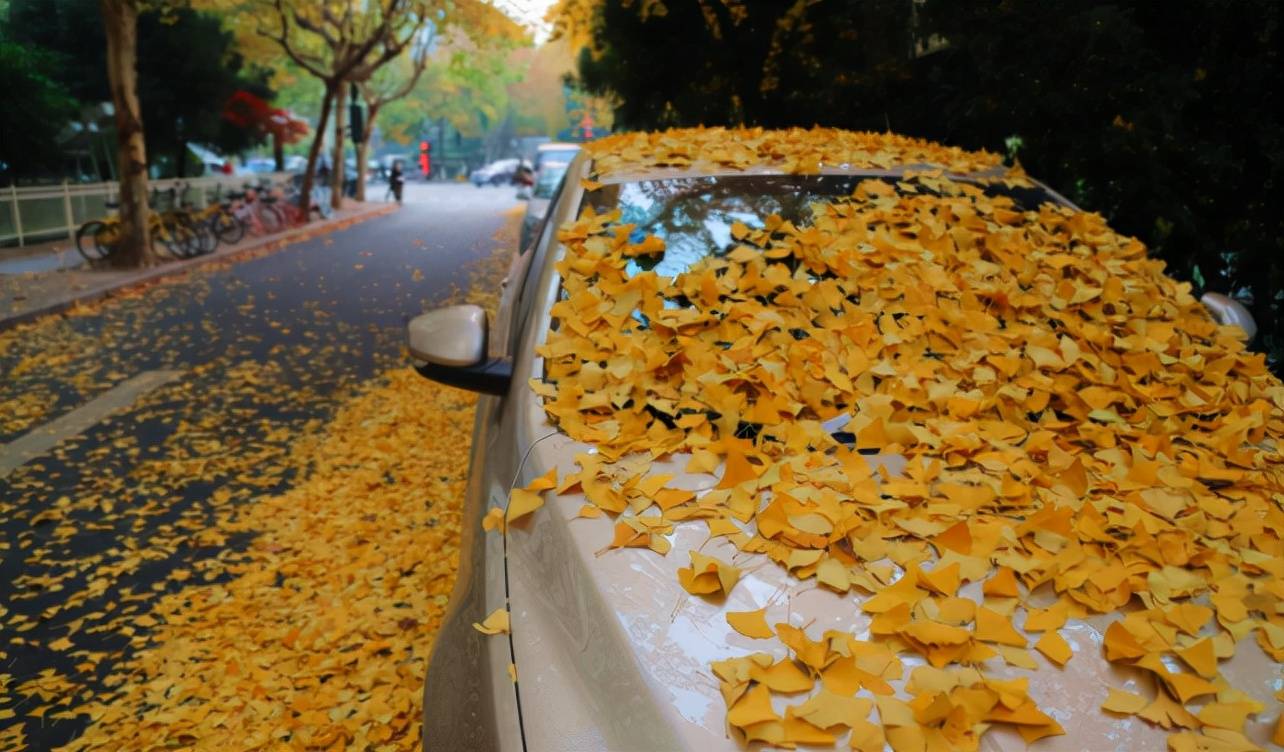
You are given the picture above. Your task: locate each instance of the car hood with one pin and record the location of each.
(612, 653)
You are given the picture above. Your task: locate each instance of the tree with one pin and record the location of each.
(255, 116)
(120, 22)
(331, 41)
(384, 86)
(187, 68)
(29, 134)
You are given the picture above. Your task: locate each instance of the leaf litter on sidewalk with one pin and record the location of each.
(158, 501)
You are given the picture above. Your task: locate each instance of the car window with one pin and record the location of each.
(694, 216)
(526, 294)
(548, 179)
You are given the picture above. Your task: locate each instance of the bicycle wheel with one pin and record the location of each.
(85, 241)
(176, 237)
(206, 238)
(270, 217)
(107, 238)
(228, 227)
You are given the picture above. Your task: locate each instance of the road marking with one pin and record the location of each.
(39, 441)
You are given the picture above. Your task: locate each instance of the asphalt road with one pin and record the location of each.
(212, 380)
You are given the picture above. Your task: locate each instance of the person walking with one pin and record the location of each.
(396, 180)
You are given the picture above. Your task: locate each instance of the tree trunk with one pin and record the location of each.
(363, 148)
(180, 160)
(314, 151)
(278, 152)
(120, 20)
(336, 174)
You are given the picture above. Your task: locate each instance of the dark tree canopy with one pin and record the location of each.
(1164, 117)
(187, 70)
(29, 134)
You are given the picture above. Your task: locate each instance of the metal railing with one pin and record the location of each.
(51, 212)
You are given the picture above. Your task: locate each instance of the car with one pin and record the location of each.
(558, 152)
(499, 172)
(260, 166)
(770, 418)
(547, 181)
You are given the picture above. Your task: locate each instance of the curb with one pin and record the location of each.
(261, 247)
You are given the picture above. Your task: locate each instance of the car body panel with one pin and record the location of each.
(612, 653)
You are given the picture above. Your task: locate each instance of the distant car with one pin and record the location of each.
(260, 166)
(500, 172)
(296, 163)
(557, 151)
(547, 180)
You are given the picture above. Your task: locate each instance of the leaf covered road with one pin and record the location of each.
(127, 546)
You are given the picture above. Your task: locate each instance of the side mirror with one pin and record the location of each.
(448, 345)
(1227, 310)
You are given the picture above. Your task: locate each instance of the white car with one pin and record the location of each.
(608, 650)
(499, 172)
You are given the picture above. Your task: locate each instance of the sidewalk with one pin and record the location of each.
(52, 277)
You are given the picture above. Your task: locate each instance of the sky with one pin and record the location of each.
(529, 13)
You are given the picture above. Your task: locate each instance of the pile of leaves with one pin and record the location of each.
(795, 150)
(1073, 423)
(319, 638)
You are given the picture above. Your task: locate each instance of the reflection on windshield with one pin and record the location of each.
(694, 216)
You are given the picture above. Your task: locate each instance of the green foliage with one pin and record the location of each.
(29, 133)
(187, 69)
(464, 83)
(1164, 117)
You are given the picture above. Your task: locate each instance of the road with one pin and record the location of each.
(168, 406)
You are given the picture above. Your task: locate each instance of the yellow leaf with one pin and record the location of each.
(521, 503)
(496, 623)
(1054, 647)
(1120, 701)
(750, 623)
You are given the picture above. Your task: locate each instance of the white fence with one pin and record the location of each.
(52, 212)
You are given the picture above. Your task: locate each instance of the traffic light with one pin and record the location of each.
(425, 157)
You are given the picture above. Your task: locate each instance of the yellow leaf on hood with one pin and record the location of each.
(994, 627)
(750, 623)
(708, 576)
(1120, 701)
(1054, 647)
(752, 707)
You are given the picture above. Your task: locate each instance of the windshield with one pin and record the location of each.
(694, 216)
(548, 178)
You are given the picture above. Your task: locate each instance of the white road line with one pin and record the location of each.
(39, 441)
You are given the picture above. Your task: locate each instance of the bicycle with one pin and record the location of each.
(258, 212)
(98, 239)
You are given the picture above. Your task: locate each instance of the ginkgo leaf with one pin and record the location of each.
(1054, 647)
(750, 623)
(495, 623)
(1120, 701)
(708, 576)
(521, 503)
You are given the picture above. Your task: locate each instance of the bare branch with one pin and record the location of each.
(283, 39)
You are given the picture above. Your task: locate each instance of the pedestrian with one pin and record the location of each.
(396, 180)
